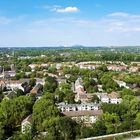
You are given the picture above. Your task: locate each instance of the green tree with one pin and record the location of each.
(111, 121)
(95, 99)
(2, 132)
(50, 84)
(44, 109)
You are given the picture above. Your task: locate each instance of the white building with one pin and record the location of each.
(85, 116)
(26, 124)
(121, 83)
(14, 85)
(79, 83)
(40, 81)
(112, 98)
(78, 107)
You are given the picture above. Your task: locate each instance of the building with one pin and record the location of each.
(58, 66)
(2, 84)
(40, 81)
(60, 81)
(78, 107)
(116, 68)
(13, 67)
(134, 69)
(87, 117)
(8, 74)
(14, 84)
(121, 84)
(1, 69)
(83, 97)
(37, 90)
(79, 88)
(26, 124)
(112, 98)
(80, 92)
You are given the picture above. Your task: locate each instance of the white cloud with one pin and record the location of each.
(51, 7)
(66, 9)
(119, 14)
(109, 30)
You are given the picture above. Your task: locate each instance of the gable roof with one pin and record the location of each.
(28, 119)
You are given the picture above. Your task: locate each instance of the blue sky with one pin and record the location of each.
(69, 22)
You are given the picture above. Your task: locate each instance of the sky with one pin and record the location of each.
(35, 23)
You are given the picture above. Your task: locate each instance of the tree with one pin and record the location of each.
(126, 92)
(14, 111)
(44, 109)
(32, 82)
(1, 95)
(46, 117)
(90, 85)
(2, 132)
(109, 84)
(19, 92)
(95, 99)
(50, 84)
(51, 126)
(52, 70)
(69, 132)
(103, 68)
(137, 121)
(111, 121)
(68, 95)
(99, 128)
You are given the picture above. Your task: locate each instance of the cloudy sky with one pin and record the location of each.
(69, 22)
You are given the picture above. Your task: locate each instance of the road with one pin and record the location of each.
(135, 138)
(113, 135)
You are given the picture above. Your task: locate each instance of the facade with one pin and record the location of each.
(2, 84)
(13, 67)
(37, 90)
(78, 107)
(79, 88)
(26, 124)
(40, 81)
(121, 84)
(14, 85)
(134, 69)
(116, 68)
(112, 98)
(87, 117)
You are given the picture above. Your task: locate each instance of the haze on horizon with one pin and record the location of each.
(62, 22)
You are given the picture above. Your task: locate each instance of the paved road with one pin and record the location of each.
(113, 135)
(135, 138)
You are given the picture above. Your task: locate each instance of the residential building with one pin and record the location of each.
(121, 84)
(26, 124)
(78, 107)
(87, 117)
(13, 67)
(14, 84)
(112, 98)
(116, 68)
(37, 90)
(134, 69)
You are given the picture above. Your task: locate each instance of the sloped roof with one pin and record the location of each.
(83, 113)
